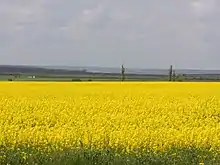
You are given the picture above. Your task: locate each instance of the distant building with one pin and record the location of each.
(31, 77)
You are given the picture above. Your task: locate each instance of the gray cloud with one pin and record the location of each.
(141, 33)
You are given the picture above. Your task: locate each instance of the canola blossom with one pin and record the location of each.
(131, 117)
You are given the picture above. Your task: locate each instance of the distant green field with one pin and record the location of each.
(106, 77)
(66, 78)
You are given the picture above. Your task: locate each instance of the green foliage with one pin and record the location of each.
(75, 79)
(180, 156)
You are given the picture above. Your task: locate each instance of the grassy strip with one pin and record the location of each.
(178, 156)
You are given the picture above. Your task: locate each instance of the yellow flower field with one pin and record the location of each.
(130, 117)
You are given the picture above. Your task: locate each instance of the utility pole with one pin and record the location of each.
(170, 73)
(122, 73)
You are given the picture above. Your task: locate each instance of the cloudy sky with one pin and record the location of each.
(138, 33)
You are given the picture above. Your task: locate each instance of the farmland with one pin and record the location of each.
(109, 123)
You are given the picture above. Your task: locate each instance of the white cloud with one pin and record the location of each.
(204, 7)
(89, 15)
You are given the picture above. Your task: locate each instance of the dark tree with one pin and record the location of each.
(122, 73)
(170, 73)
